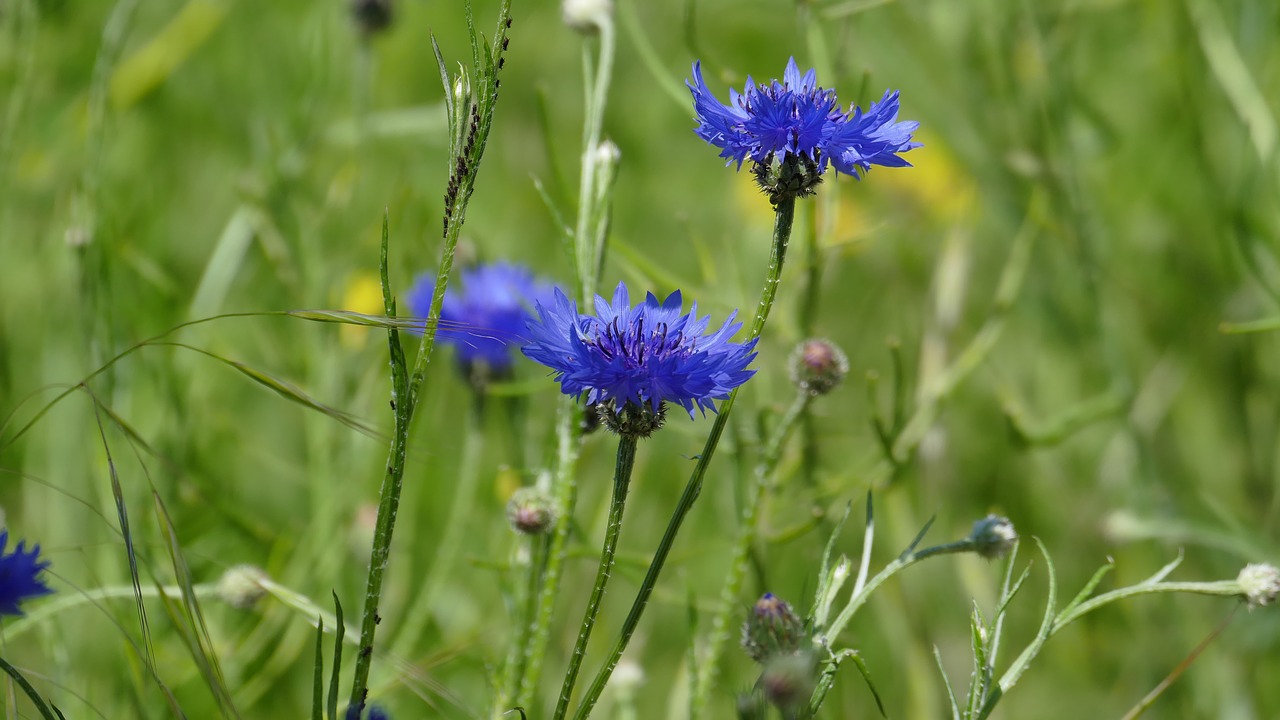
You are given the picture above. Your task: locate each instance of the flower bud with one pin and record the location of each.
(993, 536)
(772, 628)
(751, 706)
(241, 586)
(788, 680)
(1260, 583)
(818, 366)
(587, 16)
(530, 511)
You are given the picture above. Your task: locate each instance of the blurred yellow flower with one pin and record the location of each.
(363, 294)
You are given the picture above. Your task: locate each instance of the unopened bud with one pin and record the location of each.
(530, 511)
(587, 16)
(788, 680)
(993, 536)
(818, 366)
(241, 586)
(772, 628)
(1260, 583)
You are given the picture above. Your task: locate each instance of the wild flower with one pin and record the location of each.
(20, 573)
(634, 359)
(791, 131)
(487, 317)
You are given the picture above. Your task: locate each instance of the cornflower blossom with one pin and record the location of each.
(20, 575)
(487, 316)
(632, 360)
(791, 131)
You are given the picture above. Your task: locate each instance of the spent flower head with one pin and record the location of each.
(993, 536)
(242, 586)
(793, 129)
(1260, 583)
(629, 361)
(20, 575)
(486, 317)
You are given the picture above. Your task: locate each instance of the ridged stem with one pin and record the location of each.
(784, 216)
(621, 481)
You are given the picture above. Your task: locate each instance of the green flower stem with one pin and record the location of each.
(513, 670)
(748, 531)
(450, 544)
(621, 481)
(784, 216)
(569, 436)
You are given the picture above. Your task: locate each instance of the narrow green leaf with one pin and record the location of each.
(946, 682)
(317, 696)
(339, 631)
(41, 706)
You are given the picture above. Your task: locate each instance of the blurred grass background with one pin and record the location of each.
(163, 162)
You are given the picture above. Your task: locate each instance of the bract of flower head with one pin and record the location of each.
(489, 313)
(797, 120)
(640, 356)
(20, 573)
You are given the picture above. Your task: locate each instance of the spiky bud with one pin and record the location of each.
(531, 511)
(772, 628)
(788, 680)
(817, 366)
(1260, 583)
(993, 536)
(241, 586)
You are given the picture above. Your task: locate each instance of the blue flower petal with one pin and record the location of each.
(643, 355)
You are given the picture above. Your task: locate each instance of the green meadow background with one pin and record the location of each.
(162, 162)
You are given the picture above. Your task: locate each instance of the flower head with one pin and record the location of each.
(637, 358)
(791, 130)
(20, 575)
(488, 316)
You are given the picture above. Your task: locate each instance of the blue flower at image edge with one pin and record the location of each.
(797, 117)
(643, 355)
(19, 575)
(488, 315)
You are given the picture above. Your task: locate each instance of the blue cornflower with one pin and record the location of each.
(488, 316)
(791, 131)
(634, 359)
(20, 575)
